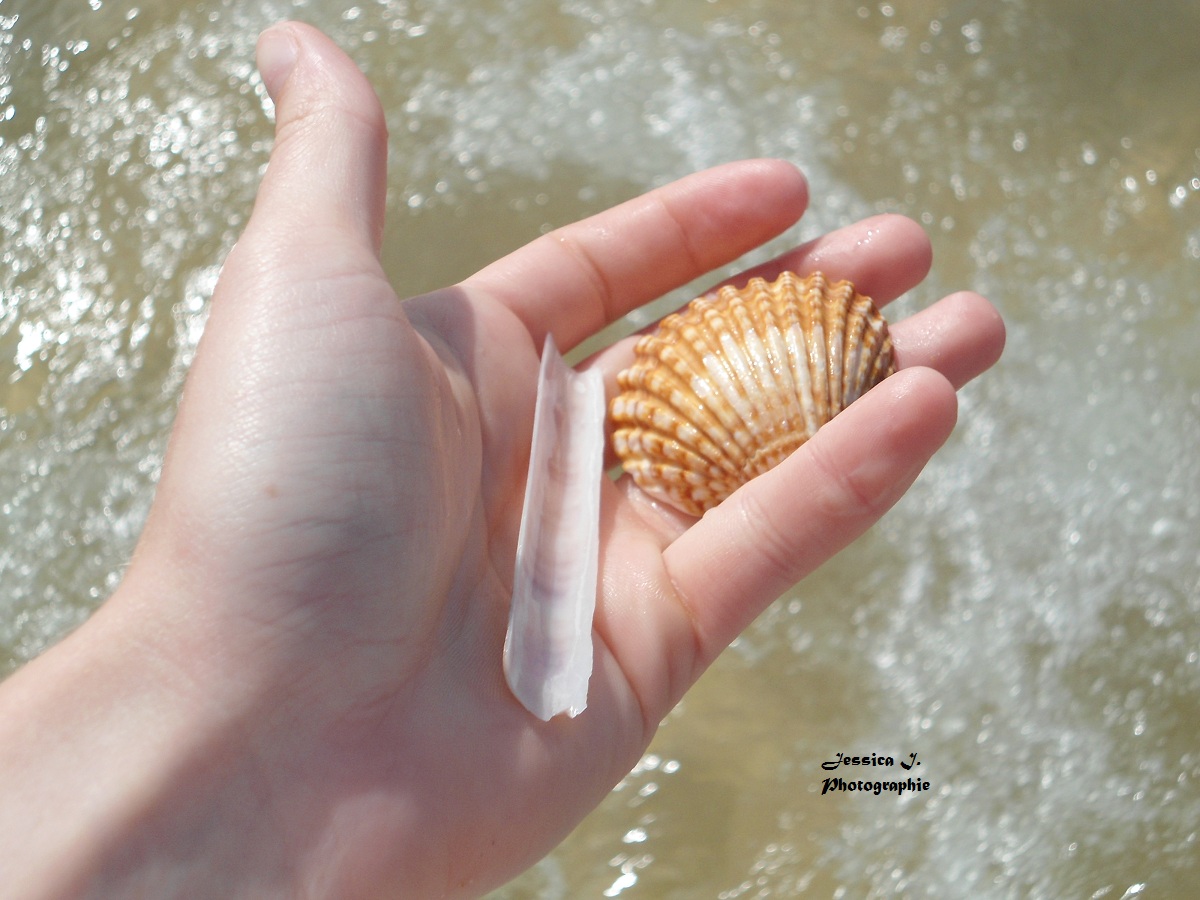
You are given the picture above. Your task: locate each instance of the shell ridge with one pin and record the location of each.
(733, 383)
(858, 329)
(726, 372)
(818, 369)
(837, 313)
(677, 437)
(758, 380)
(708, 374)
(774, 326)
(687, 366)
(785, 317)
(645, 411)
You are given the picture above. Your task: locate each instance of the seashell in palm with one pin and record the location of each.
(727, 388)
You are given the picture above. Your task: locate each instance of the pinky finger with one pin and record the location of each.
(961, 336)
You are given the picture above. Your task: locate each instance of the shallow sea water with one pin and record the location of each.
(1027, 620)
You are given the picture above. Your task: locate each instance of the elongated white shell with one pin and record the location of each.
(548, 648)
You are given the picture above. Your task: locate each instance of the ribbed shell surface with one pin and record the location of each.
(728, 387)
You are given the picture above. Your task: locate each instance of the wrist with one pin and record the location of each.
(113, 760)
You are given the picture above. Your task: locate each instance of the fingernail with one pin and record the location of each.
(277, 53)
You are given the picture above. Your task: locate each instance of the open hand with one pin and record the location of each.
(323, 584)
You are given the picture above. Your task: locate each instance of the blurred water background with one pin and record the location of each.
(1028, 619)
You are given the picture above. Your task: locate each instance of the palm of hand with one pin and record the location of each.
(372, 457)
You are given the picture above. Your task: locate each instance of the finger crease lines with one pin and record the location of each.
(602, 288)
(683, 235)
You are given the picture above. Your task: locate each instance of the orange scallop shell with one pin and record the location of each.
(728, 387)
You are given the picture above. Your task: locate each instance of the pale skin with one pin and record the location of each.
(296, 690)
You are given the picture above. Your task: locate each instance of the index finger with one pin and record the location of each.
(579, 278)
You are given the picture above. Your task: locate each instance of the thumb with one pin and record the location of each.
(300, 295)
(326, 179)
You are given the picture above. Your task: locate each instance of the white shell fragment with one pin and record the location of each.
(548, 648)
